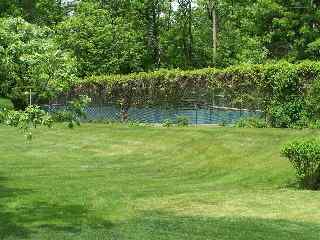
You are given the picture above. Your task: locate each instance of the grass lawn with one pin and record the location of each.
(149, 183)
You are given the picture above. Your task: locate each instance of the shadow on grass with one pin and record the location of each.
(8, 220)
(292, 184)
(298, 185)
(159, 225)
(41, 220)
(25, 220)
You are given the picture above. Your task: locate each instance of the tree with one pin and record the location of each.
(292, 27)
(42, 12)
(211, 8)
(101, 43)
(9, 8)
(142, 35)
(185, 15)
(30, 59)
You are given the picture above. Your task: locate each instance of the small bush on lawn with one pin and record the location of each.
(61, 116)
(182, 121)
(251, 122)
(286, 114)
(25, 120)
(304, 155)
(223, 123)
(103, 120)
(74, 112)
(167, 123)
(133, 123)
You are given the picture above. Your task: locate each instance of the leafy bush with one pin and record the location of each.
(32, 59)
(300, 124)
(286, 114)
(167, 123)
(223, 123)
(251, 122)
(133, 123)
(61, 115)
(304, 155)
(74, 112)
(27, 119)
(182, 121)
(314, 124)
(103, 120)
(33, 116)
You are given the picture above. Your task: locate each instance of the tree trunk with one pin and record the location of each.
(185, 8)
(190, 47)
(212, 14)
(28, 7)
(152, 15)
(214, 35)
(169, 15)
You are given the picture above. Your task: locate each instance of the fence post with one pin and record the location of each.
(30, 97)
(196, 105)
(212, 107)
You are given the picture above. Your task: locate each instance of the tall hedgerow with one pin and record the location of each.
(287, 93)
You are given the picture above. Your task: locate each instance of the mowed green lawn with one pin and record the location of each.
(119, 182)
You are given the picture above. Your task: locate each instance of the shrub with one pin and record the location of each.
(224, 123)
(301, 124)
(182, 121)
(61, 116)
(286, 114)
(167, 123)
(74, 112)
(251, 122)
(314, 124)
(133, 123)
(103, 120)
(304, 155)
(25, 120)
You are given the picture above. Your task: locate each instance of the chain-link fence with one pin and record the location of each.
(196, 114)
(200, 107)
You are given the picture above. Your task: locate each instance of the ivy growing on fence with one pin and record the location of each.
(287, 93)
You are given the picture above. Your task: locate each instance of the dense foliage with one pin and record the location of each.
(6, 103)
(287, 93)
(251, 122)
(25, 120)
(46, 45)
(33, 115)
(305, 158)
(31, 60)
(122, 36)
(74, 111)
(182, 121)
(101, 43)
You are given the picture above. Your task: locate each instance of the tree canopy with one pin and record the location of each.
(42, 40)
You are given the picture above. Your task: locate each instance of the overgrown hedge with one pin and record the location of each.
(288, 93)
